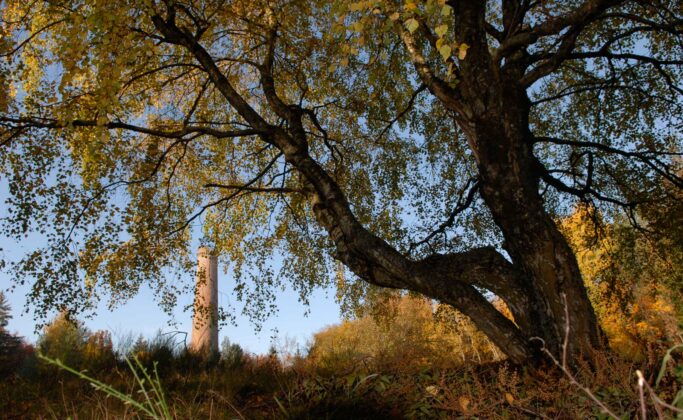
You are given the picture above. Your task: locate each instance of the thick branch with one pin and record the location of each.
(484, 268)
(438, 87)
(175, 35)
(580, 16)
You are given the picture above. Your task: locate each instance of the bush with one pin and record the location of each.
(98, 351)
(410, 332)
(64, 339)
(160, 349)
(232, 355)
(10, 354)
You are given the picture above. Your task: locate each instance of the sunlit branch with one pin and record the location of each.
(47, 123)
(436, 85)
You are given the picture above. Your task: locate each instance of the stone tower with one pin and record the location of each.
(205, 320)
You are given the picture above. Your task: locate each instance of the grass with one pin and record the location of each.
(158, 381)
(262, 388)
(153, 405)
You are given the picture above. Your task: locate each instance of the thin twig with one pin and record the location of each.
(641, 395)
(563, 364)
(225, 401)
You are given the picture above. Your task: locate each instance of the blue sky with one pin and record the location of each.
(141, 315)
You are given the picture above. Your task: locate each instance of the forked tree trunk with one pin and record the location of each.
(492, 108)
(509, 183)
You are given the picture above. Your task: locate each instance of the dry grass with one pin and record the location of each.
(262, 388)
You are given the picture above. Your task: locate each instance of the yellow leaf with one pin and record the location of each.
(441, 30)
(354, 7)
(464, 404)
(462, 51)
(394, 16)
(445, 52)
(509, 398)
(411, 25)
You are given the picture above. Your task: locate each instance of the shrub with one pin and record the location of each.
(98, 351)
(64, 339)
(409, 332)
(160, 349)
(232, 355)
(10, 353)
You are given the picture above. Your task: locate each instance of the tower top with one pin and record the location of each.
(205, 252)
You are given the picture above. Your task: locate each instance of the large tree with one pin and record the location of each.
(425, 145)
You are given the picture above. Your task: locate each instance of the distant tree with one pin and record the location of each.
(161, 349)
(10, 344)
(426, 146)
(632, 280)
(408, 332)
(65, 339)
(232, 354)
(5, 312)
(98, 351)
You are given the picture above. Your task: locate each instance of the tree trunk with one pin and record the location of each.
(502, 143)
(492, 108)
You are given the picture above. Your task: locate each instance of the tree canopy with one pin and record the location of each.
(421, 145)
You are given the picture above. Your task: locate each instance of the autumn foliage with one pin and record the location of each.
(628, 279)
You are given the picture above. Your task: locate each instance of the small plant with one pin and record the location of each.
(154, 404)
(644, 388)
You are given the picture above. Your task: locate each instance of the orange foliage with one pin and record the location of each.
(410, 331)
(634, 309)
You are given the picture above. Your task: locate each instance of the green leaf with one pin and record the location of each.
(411, 25)
(441, 30)
(665, 361)
(446, 10)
